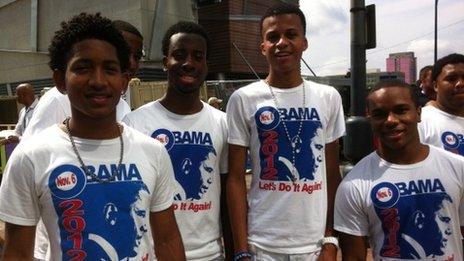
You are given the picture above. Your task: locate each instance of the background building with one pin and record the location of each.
(27, 27)
(403, 62)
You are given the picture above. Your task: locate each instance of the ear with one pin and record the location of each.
(263, 50)
(305, 44)
(125, 78)
(165, 63)
(59, 77)
(419, 111)
(435, 86)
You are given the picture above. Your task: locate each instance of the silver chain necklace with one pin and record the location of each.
(296, 139)
(114, 173)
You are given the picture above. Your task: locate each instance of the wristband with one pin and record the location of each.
(329, 240)
(238, 256)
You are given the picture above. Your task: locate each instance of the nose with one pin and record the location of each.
(98, 78)
(392, 119)
(283, 42)
(188, 63)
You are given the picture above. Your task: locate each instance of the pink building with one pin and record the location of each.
(403, 62)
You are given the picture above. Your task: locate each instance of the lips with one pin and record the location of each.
(394, 134)
(99, 98)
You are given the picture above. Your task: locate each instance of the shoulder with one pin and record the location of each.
(142, 110)
(366, 165)
(44, 140)
(444, 155)
(322, 90)
(250, 89)
(139, 139)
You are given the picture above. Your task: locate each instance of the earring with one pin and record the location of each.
(165, 69)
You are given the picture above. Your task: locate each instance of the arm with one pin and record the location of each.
(19, 242)
(166, 235)
(353, 247)
(462, 234)
(236, 196)
(225, 221)
(329, 251)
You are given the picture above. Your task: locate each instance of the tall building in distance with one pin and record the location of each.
(403, 62)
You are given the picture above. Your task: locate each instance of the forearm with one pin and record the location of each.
(333, 180)
(237, 204)
(170, 249)
(225, 221)
(19, 242)
(166, 235)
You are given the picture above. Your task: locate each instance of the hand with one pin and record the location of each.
(328, 253)
(12, 139)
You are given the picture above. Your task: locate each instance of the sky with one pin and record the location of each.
(402, 25)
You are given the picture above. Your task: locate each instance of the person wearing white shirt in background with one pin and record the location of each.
(442, 121)
(25, 96)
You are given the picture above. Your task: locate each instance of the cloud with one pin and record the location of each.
(325, 17)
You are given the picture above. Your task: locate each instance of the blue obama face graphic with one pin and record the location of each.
(193, 159)
(414, 219)
(100, 221)
(277, 151)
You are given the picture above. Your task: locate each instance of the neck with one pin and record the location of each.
(458, 112)
(410, 154)
(97, 129)
(284, 80)
(182, 104)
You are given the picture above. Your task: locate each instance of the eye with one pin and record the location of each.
(378, 115)
(272, 37)
(179, 54)
(199, 56)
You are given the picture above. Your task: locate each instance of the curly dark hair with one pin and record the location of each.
(283, 8)
(82, 27)
(453, 58)
(184, 27)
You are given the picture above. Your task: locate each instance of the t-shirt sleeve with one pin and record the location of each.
(336, 124)
(239, 133)
(349, 216)
(163, 193)
(19, 201)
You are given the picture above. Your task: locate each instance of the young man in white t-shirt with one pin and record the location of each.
(442, 123)
(291, 128)
(103, 190)
(195, 135)
(406, 197)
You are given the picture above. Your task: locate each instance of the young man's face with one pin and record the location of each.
(450, 87)
(186, 62)
(283, 42)
(136, 51)
(93, 79)
(393, 117)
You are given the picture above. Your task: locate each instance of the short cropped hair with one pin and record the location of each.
(453, 58)
(283, 8)
(127, 27)
(395, 83)
(83, 27)
(425, 69)
(184, 27)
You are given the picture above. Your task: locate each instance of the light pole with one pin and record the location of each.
(436, 19)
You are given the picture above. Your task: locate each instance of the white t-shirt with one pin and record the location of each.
(285, 216)
(24, 118)
(407, 211)
(54, 107)
(442, 129)
(197, 146)
(85, 218)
